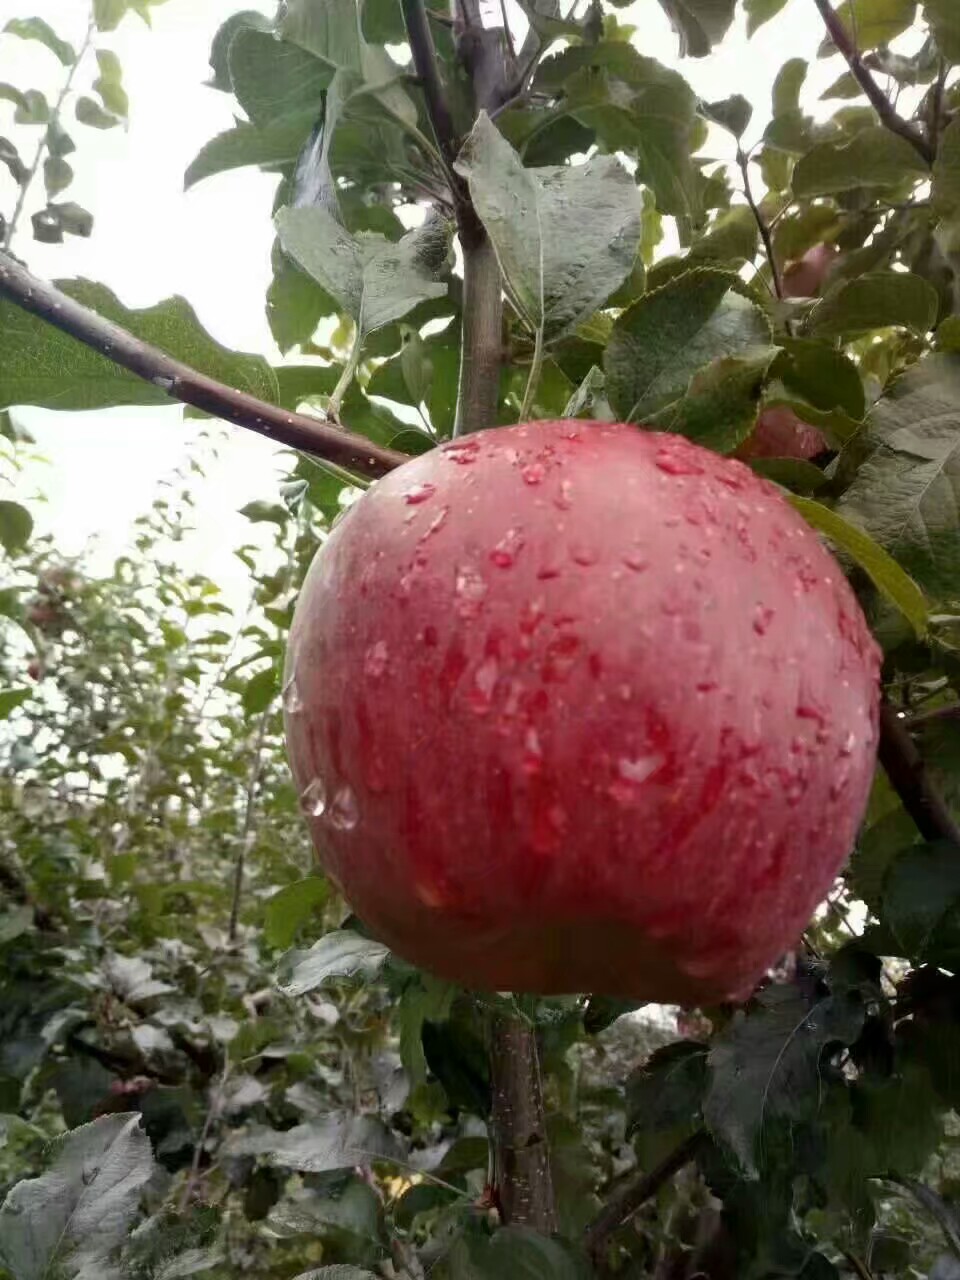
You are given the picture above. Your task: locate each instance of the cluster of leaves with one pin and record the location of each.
(150, 842)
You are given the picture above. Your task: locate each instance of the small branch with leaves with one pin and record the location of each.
(884, 108)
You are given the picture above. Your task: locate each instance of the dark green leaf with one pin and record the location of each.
(273, 78)
(292, 907)
(874, 157)
(921, 903)
(666, 1093)
(761, 11)
(277, 143)
(44, 367)
(732, 114)
(16, 525)
(945, 192)
(565, 237)
(876, 301)
(944, 20)
(699, 24)
(259, 691)
(11, 698)
(513, 1253)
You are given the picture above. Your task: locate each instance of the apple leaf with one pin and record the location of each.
(761, 11)
(516, 1252)
(42, 366)
(944, 19)
(339, 1271)
(883, 571)
(666, 1093)
(874, 157)
(375, 280)
(16, 525)
(921, 896)
(334, 1141)
(71, 1220)
(292, 907)
(566, 237)
(699, 24)
(945, 192)
(670, 334)
(37, 29)
(905, 492)
(10, 699)
(338, 955)
(764, 1069)
(275, 78)
(869, 23)
(875, 301)
(278, 142)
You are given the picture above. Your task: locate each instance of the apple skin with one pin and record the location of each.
(579, 707)
(806, 277)
(779, 433)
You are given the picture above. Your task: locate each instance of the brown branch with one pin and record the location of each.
(181, 382)
(522, 1181)
(762, 224)
(909, 778)
(881, 103)
(624, 1203)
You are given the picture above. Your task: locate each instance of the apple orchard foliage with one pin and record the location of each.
(250, 1083)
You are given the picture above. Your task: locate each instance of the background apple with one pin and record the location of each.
(779, 433)
(578, 707)
(805, 278)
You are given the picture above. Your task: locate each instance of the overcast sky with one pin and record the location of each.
(212, 244)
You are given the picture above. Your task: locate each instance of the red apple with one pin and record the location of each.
(581, 707)
(779, 433)
(806, 277)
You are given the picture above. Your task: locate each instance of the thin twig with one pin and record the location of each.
(621, 1207)
(860, 1268)
(213, 1110)
(181, 382)
(909, 778)
(744, 163)
(45, 134)
(881, 103)
(248, 836)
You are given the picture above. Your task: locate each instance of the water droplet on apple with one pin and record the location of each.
(313, 798)
(635, 561)
(376, 659)
(677, 462)
(292, 700)
(484, 683)
(470, 589)
(436, 524)
(564, 499)
(533, 473)
(583, 554)
(848, 744)
(344, 812)
(532, 752)
(419, 493)
(505, 553)
(631, 773)
(762, 617)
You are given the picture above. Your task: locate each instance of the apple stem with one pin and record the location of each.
(522, 1180)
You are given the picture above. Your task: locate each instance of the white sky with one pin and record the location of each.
(212, 244)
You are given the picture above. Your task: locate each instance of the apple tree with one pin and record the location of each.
(472, 215)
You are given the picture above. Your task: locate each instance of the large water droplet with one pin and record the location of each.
(677, 462)
(313, 798)
(419, 493)
(505, 553)
(376, 659)
(462, 452)
(470, 589)
(848, 744)
(533, 473)
(564, 499)
(484, 684)
(631, 773)
(532, 752)
(636, 561)
(292, 700)
(584, 554)
(344, 812)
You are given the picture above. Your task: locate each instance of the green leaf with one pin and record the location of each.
(876, 301)
(89, 112)
(921, 903)
(869, 23)
(945, 192)
(42, 366)
(874, 157)
(884, 572)
(273, 79)
(16, 525)
(719, 408)
(10, 699)
(765, 1068)
(340, 955)
(786, 88)
(37, 29)
(944, 20)
(259, 691)
(277, 143)
(565, 237)
(32, 106)
(425, 999)
(733, 113)
(699, 24)
(295, 303)
(905, 492)
(349, 1220)
(341, 1271)
(512, 1253)
(761, 11)
(70, 1220)
(107, 14)
(57, 175)
(670, 334)
(334, 1141)
(373, 279)
(109, 83)
(824, 377)
(666, 1093)
(637, 106)
(291, 907)
(15, 922)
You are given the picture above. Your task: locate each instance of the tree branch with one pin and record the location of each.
(882, 104)
(908, 777)
(621, 1207)
(521, 1157)
(762, 224)
(181, 382)
(425, 60)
